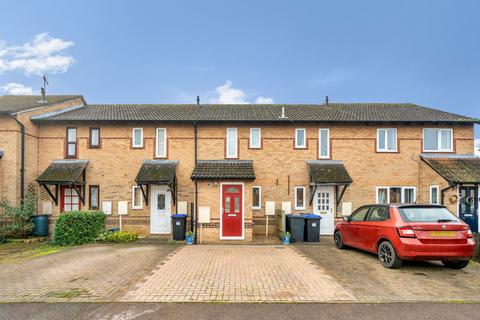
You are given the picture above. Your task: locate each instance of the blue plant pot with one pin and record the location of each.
(189, 239)
(286, 239)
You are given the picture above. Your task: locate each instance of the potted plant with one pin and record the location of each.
(189, 237)
(286, 237)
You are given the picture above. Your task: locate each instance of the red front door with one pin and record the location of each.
(232, 211)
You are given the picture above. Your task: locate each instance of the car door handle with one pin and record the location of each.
(377, 228)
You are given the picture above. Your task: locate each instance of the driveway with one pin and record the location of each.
(229, 273)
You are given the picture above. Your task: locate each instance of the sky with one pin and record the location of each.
(419, 51)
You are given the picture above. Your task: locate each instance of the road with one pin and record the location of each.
(217, 311)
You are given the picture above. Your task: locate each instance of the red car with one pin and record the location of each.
(399, 232)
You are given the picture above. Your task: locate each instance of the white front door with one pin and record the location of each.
(160, 211)
(324, 205)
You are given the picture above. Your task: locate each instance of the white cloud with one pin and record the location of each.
(17, 89)
(227, 94)
(263, 100)
(477, 147)
(42, 55)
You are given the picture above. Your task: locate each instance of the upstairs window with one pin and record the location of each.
(324, 143)
(387, 140)
(137, 138)
(300, 138)
(256, 198)
(437, 140)
(161, 145)
(255, 138)
(232, 143)
(71, 142)
(94, 140)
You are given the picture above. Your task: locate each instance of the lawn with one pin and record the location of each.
(19, 252)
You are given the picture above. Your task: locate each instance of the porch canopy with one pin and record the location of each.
(64, 173)
(157, 172)
(456, 169)
(328, 173)
(223, 170)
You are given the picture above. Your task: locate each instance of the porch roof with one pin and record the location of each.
(157, 172)
(328, 172)
(458, 169)
(63, 172)
(224, 169)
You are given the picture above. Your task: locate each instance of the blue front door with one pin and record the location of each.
(468, 206)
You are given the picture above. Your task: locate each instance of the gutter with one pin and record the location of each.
(22, 157)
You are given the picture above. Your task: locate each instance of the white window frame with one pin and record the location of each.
(259, 198)
(232, 156)
(259, 146)
(162, 154)
(296, 206)
(439, 140)
(438, 194)
(320, 156)
(402, 200)
(134, 207)
(386, 140)
(141, 138)
(304, 145)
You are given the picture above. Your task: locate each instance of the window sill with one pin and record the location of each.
(137, 208)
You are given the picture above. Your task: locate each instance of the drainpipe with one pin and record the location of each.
(442, 193)
(194, 218)
(22, 158)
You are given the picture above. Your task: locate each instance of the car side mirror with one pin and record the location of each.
(346, 218)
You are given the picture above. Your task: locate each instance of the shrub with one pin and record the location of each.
(78, 227)
(117, 236)
(19, 223)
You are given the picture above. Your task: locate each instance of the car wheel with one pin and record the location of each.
(388, 256)
(338, 240)
(460, 264)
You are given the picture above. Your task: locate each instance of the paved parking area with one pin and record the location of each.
(230, 273)
(238, 273)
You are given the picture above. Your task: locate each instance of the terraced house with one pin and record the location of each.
(232, 167)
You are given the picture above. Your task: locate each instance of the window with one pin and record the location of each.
(70, 199)
(359, 214)
(396, 195)
(299, 198)
(256, 198)
(387, 140)
(137, 138)
(324, 143)
(434, 195)
(137, 199)
(94, 195)
(161, 145)
(71, 142)
(425, 214)
(94, 140)
(300, 139)
(437, 140)
(255, 138)
(378, 214)
(232, 143)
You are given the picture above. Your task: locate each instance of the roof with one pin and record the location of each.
(333, 112)
(63, 172)
(157, 172)
(455, 168)
(224, 169)
(14, 104)
(328, 172)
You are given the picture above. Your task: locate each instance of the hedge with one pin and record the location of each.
(78, 227)
(118, 236)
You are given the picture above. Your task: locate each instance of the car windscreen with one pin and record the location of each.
(426, 214)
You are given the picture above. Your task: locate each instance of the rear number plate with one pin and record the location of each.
(443, 233)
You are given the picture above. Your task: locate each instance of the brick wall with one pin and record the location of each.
(278, 166)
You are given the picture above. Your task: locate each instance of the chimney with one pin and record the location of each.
(326, 100)
(198, 100)
(44, 98)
